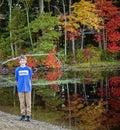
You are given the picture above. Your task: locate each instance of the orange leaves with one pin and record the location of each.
(53, 76)
(51, 60)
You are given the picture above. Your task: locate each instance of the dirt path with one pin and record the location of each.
(11, 122)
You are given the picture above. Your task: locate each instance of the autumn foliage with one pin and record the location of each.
(110, 35)
(51, 61)
(31, 61)
(53, 76)
(111, 92)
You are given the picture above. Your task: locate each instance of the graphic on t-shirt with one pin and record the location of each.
(23, 72)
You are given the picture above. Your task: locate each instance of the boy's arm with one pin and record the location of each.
(16, 75)
(31, 73)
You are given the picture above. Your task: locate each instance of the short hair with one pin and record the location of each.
(22, 57)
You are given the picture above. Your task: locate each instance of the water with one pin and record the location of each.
(80, 100)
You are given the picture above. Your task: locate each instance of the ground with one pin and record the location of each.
(11, 122)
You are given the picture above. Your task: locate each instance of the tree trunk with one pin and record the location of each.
(10, 17)
(82, 40)
(73, 47)
(65, 34)
(1, 3)
(30, 35)
(104, 40)
(84, 90)
(70, 2)
(41, 6)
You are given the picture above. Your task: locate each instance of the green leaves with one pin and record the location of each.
(43, 29)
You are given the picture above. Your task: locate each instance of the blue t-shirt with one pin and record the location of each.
(23, 77)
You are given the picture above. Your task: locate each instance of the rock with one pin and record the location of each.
(11, 122)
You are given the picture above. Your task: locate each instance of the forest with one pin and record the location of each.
(71, 31)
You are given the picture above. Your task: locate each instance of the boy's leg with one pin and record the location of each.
(28, 103)
(22, 104)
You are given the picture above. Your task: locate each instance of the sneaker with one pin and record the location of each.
(27, 118)
(22, 118)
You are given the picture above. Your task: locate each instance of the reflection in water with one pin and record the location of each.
(90, 101)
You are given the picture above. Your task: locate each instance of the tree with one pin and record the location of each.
(41, 6)
(109, 35)
(84, 16)
(18, 28)
(27, 4)
(44, 33)
(10, 23)
(51, 61)
(85, 13)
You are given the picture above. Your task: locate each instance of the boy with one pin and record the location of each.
(23, 76)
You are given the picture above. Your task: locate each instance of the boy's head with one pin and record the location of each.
(23, 60)
(23, 57)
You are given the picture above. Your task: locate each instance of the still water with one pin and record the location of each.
(76, 99)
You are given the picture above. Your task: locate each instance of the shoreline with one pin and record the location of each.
(11, 122)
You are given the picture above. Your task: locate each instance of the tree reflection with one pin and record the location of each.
(50, 96)
(101, 112)
(53, 76)
(85, 116)
(112, 99)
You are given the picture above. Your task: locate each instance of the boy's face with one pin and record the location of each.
(23, 62)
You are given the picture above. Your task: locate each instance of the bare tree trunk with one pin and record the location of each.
(1, 3)
(28, 22)
(41, 6)
(82, 41)
(73, 41)
(70, 112)
(10, 17)
(70, 2)
(27, 4)
(65, 37)
(100, 44)
(73, 47)
(104, 40)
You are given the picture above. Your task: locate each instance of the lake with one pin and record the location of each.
(79, 99)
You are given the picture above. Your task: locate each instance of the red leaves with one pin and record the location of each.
(72, 35)
(115, 92)
(114, 81)
(113, 48)
(31, 62)
(51, 60)
(87, 53)
(112, 92)
(111, 22)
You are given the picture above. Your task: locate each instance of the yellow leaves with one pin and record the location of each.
(87, 117)
(90, 117)
(86, 14)
(69, 23)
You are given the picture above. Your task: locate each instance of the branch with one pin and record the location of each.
(12, 59)
(1, 3)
